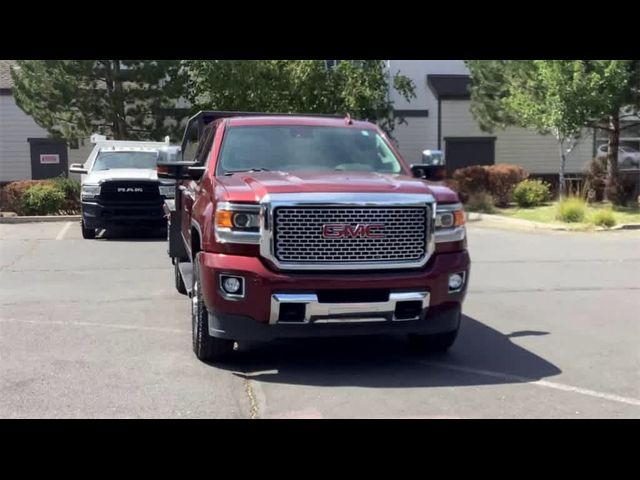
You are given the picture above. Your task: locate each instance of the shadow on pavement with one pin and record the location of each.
(133, 234)
(388, 362)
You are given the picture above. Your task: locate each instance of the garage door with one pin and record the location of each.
(464, 152)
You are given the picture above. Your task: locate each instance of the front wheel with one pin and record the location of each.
(179, 281)
(88, 233)
(206, 347)
(438, 343)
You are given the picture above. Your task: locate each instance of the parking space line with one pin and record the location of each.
(93, 324)
(541, 383)
(63, 231)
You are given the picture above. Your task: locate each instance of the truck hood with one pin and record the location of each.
(120, 174)
(253, 186)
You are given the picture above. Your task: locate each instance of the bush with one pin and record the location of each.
(480, 202)
(11, 194)
(531, 193)
(42, 199)
(71, 190)
(498, 180)
(596, 180)
(502, 180)
(470, 180)
(571, 210)
(604, 218)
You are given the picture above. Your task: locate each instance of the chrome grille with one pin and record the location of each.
(298, 235)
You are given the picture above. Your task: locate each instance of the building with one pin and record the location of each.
(440, 118)
(26, 151)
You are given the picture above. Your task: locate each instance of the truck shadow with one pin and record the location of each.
(480, 356)
(133, 234)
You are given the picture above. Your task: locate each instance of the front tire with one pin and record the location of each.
(206, 347)
(88, 233)
(179, 281)
(438, 343)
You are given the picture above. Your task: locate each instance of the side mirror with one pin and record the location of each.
(195, 173)
(433, 157)
(170, 164)
(434, 173)
(78, 168)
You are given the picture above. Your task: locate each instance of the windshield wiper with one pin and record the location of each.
(261, 169)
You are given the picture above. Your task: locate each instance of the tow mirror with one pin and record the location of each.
(171, 165)
(432, 167)
(435, 173)
(78, 168)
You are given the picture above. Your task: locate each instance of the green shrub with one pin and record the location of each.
(604, 218)
(531, 193)
(71, 190)
(572, 210)
(43, 199)
(480, 202)
(11, 194)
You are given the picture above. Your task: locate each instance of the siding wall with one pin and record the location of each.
(420, 133)
(15, 128)
(536, 153)
(15, 153)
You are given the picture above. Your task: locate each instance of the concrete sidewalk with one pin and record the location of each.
(500, 221)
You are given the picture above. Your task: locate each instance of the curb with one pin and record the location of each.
(627, 226)
(502, 221)
(36, 219)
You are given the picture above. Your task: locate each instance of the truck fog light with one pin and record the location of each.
(232, 285)
(456, 280)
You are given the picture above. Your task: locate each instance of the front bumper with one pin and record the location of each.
(101, 215)
(439, 319)
(257, 315)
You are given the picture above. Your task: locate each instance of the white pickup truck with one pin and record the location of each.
(120, 185)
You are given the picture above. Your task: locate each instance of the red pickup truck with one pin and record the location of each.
(289, 226)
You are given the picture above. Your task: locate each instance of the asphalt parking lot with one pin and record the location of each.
(95, 329)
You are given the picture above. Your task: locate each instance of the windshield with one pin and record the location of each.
(112, 160)
(295, 148)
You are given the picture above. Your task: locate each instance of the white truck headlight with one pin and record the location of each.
(89, 192)
(168, 191)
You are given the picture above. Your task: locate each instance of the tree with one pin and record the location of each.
(619, 100)
(123, 99)
(357, 87)
(560, 97)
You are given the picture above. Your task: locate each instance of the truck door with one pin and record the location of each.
(195, 151)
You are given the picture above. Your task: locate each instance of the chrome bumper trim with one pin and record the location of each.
(316, 312)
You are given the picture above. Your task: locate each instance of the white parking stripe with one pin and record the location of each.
(92, 324)
(62, 232)
(541, 383)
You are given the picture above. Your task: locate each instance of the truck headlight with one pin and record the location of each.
(449, 223)
(89, 192)
(449, 216)
(246, 221)
(168, 191)
(237, 223)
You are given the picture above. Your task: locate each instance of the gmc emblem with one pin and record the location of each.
(341, 230)
(130, 189)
